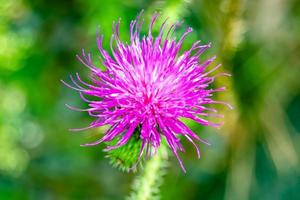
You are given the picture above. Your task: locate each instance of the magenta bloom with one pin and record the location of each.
(149, 84)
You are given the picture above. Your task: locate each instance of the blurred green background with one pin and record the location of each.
(255, 155)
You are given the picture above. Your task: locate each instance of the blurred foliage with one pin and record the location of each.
(255, 155)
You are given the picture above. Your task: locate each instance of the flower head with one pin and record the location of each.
(148, 86)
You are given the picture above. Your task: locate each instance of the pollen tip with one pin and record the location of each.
(64, 82)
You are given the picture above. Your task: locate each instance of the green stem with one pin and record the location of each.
(146, 185)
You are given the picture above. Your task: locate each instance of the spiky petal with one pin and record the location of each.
(148, 84)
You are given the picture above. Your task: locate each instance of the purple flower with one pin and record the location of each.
(149, 85)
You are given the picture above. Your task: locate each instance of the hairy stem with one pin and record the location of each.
(146, 185)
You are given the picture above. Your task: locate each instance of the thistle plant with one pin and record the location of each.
(146, 89)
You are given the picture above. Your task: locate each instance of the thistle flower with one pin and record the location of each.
(148, 86)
